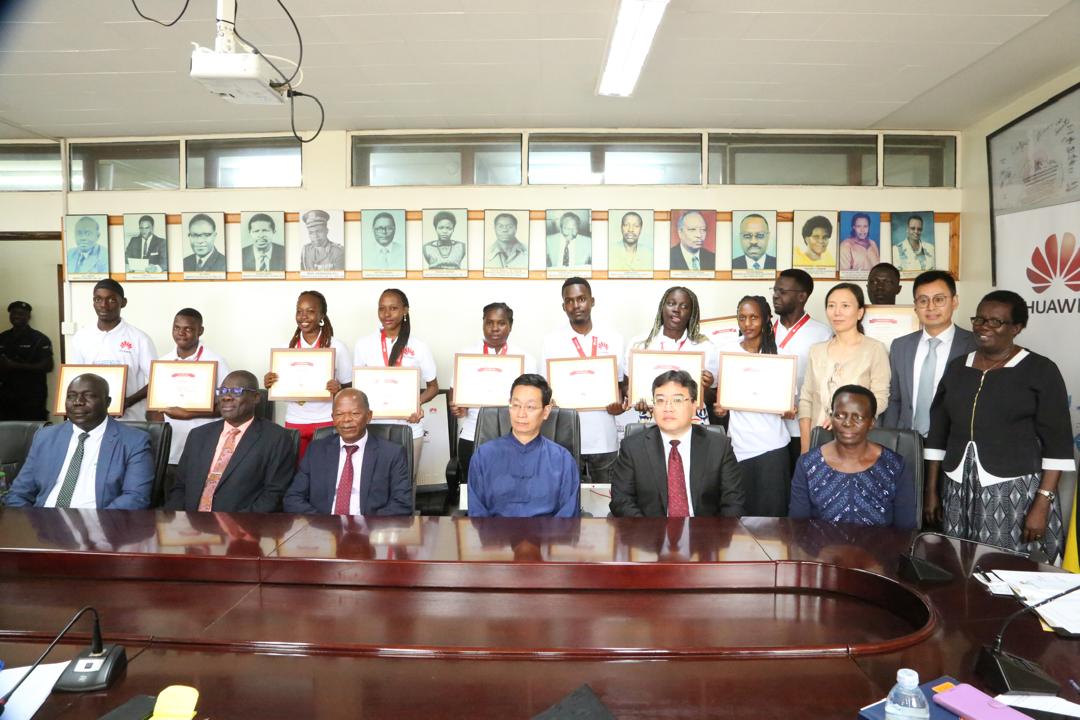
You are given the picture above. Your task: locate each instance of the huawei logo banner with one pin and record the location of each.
(1052, 262)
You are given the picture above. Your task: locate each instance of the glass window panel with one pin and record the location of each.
(244, 163)
(762, 159)
(920, 160)
(615, 159)
(436, 160)
(125, 166)
(30, 167)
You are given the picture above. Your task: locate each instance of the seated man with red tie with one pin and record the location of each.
(676, 468)
(90, 461)
(239, 463)
(352, 472)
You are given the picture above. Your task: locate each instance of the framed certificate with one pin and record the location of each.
(888, 322)
(757, 383)
(302, 374)
(393, 392)
(590, 383)
(187, 385)
(645, 365)
(721, 330)
(485, 380)
(114, 375)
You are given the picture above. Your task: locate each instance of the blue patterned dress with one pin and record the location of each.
(882, 494)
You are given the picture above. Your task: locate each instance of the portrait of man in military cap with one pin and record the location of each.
(321, 254)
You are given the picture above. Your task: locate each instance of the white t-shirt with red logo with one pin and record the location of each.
(125, 344)
(369, 353)
(597, 426)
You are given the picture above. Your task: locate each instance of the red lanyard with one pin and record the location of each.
(194, 359)
(677, 349)
(497, 352)
(385, 354)
(794, 329)
(581, 351)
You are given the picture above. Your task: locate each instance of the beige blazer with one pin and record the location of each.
(868, 366)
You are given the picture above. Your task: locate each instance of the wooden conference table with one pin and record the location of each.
(280, 616)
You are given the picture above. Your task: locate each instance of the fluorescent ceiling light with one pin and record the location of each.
(635, 27)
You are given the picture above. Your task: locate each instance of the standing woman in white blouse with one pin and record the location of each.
(394, 346)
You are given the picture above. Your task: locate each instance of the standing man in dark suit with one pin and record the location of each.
(90, 461)
(690, 252)
(918, 360)
(676, 469)
(149, 247)
(240, 463)
(352, 472)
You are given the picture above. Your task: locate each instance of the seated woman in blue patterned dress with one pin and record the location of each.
(851, 479)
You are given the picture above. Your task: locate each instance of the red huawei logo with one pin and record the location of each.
(125, 345)
(1050, 262)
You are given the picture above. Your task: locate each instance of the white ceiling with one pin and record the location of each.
(90, 68)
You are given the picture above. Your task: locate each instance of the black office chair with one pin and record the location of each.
(634, 428)
(905, 443)
(265, 408)
(398, 434)
(160, 443)
(562, 426)
(294, 435)
(453, 468)
(15, 439)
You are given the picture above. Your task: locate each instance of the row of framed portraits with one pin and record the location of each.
(825, 243)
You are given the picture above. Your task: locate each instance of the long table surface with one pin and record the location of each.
(299, 616)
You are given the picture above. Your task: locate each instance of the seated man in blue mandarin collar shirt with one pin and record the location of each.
(524, 474)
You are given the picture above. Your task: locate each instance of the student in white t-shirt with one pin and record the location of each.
(498, 322)
(394, 346)
(760, 440)
(313, 330)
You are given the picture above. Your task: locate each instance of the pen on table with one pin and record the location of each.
(1074, 685)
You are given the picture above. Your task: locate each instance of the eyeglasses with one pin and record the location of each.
(754, 236)
(782, 291)
(529, 408)
(938, 301)
(842, 418)
(200, 236)
(232, 391)
(992, 323)
(676, 402)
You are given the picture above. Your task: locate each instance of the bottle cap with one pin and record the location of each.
(907, 678)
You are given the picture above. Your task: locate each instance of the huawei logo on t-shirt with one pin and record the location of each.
(408, 351)
(1051, 262)
(601, 345)
(126, 345)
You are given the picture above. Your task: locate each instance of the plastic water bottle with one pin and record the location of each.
(906, 700)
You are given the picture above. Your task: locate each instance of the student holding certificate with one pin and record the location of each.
(498, 322)
(760, 440)
(314, 330)
(394, 346)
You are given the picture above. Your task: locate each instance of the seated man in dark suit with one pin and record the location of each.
(352, 472)
(674, 468)
(239, 463)
(90, 461)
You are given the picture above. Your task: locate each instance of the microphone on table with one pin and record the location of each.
(1004, 672)
(94, 668)
(920, 570)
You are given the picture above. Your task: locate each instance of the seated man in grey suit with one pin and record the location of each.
(918, 360)
(90, 461)
(239, 463)
(352, 472)
(675, 468)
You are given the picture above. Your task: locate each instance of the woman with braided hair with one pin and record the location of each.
(313, 330)
(760, 440)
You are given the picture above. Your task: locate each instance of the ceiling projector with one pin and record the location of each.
(243, 78)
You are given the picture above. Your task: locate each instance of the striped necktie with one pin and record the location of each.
(63, 500)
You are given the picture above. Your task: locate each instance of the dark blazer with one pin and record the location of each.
(708, 259)
(385, 485)
(215, 263)
(156, 251)
(277, 257)
(125, 470)
(639, 479)
(902, 385)
(256, 477)
(740, 263)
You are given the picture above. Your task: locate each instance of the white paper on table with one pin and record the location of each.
(1046, 703)
(1033, 587)
(32, 694)
(994, 584)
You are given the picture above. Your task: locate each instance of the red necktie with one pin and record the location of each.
(344, 490)
(678, 505)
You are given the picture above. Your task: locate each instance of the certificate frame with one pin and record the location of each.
(385, 389)
(114, 375)
(645, 365)
(473, 390)
(720, 330)
(318, 358)
(204, 373)
(563, 375)
(738, 378)
(888, 322)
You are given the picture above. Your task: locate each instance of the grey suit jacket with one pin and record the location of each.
(901, 387)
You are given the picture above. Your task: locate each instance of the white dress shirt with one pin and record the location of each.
(85, 495)
(946, 337)
(684, 452)
(357, 463)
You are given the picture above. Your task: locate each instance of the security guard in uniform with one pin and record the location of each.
(26, 357)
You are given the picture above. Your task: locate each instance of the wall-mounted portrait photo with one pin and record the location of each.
(753, 244)
(204, 236)
(913, 242)
(506, 243)
(630, 243)
(568, 243)
(446, 243)
(813, 242)
(693, 243)
(322, 249)
(86, 247)
(262, 245)
(382, 243)
(860, 249)
(146, 253)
